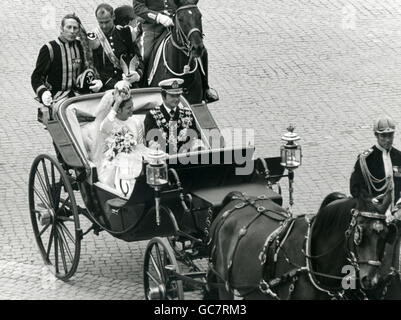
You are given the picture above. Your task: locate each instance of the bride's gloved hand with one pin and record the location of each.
(120, 94)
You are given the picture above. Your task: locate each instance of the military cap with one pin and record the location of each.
(384, 124)
(172, 86)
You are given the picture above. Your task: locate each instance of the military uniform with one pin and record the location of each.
(120, 40)
(58, 65)
(148, 10)
(376, 166)
(161, 119)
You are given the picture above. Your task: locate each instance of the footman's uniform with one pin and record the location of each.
(58, 65)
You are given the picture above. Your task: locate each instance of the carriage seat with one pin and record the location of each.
(80, 111)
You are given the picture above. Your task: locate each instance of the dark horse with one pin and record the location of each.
(389, 288)
(258, 252)
(181, 47)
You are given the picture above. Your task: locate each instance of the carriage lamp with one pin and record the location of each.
(156, 176)
(291, 157)
(291, 154)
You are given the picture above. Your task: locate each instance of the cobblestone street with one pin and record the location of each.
(328, 67)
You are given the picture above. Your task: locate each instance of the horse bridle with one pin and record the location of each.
(357, 230)
(353, 229)
(181, 36)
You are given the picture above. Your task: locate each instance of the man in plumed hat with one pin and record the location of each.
(157, 16)
(378, 169)
(115, 53)
(60, 64)
(171, 126)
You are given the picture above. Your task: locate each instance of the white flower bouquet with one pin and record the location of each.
(121, 140)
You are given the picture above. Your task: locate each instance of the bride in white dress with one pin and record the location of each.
(118, 169)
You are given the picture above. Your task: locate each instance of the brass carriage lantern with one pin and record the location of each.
(291, 156)
(156, 176)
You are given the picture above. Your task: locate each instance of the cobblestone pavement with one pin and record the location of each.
(329, 67)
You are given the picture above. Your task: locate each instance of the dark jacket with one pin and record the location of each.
(151, 123)
(374, 161)
(121, 41)
(58, 70)
(148, 9)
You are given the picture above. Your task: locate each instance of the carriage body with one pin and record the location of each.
(187, 206)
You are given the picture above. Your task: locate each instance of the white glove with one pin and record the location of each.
(164, 20)
(96, 85)
(47, 98)
(131, 78)
(122, 85)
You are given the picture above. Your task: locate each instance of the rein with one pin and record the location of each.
(292, 276)
(168, 67)
(352, 256)
(353, 225)
(183, 44)
(181, 36)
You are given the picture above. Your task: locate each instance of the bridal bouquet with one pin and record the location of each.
(121, 140)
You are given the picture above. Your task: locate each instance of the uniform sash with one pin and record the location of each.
(107, 48)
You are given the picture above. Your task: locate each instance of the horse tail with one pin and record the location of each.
(331, 197)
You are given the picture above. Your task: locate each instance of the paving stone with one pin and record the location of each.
(328, 67)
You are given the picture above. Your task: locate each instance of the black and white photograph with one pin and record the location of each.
(200, 150)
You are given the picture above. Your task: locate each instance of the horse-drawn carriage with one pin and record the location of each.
(197, 206)
(197, 185)
(202, 208)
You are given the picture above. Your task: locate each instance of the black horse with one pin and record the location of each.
(181, 49)
(389, 287)
(258, 252)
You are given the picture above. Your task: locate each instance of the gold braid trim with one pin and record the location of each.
(370, 179)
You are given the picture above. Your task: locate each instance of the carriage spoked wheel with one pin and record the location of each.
(158, 283)
(54, 216)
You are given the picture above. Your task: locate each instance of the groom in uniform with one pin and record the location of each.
(171, 126)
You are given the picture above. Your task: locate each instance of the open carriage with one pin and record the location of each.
(177, 223)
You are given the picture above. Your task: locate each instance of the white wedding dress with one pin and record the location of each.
(119, 173)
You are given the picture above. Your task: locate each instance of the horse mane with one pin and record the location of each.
(334, 219)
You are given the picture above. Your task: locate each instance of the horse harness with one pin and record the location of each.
(274, 244)
(185, 45)
(260, 210)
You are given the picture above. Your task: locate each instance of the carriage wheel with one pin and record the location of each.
(54, 216)
(158, 284)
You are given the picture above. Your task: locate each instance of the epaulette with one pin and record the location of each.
(366, 152)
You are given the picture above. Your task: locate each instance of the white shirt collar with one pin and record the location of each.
(378, 146)
(169, 109)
